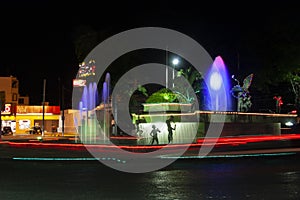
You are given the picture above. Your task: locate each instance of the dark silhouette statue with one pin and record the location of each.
(170, 128)
(154, 133)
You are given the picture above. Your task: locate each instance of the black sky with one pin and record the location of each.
(36, 40)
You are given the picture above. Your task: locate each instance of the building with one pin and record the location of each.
(29, 116)
(9, 91)
(19, 115)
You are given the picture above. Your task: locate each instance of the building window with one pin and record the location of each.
(2, 96)
(14, 84)
(21, 101)
(15, 97)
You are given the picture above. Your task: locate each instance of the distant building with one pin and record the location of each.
(9, 91)
(18, 114)
(23, 100)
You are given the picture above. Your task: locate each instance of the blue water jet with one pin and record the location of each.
(88, 121)
(218, 86)
(104, 93)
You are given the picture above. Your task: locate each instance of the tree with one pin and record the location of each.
(197, 86)
(164, 95)
(85, 38)
(294, 79)
(279, 55)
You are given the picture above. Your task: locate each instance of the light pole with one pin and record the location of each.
(0, 118)
(43, 121)
(175, 62)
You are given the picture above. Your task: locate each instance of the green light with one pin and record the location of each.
(166, 96)
(67, 159)
(53, 159)
(229, 156)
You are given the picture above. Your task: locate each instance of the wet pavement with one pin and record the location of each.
(275, 177)
(260, 169)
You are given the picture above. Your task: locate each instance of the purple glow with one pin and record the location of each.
(96, 94)
(80, 109)
(89, 99)
(106, 89)
(218, 85)
(105, 93)
(107, 80)
(84, 98)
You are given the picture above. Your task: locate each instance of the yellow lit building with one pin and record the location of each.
(29, 116)
(19, 115)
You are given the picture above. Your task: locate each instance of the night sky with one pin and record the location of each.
(37, 37)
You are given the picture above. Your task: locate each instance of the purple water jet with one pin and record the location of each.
(105, 93)
(107, 80)
(90, 97)
(84, 98)
(218, 85)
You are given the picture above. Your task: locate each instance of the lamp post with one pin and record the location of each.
(175, 62)
(0, 118)
(43, 121)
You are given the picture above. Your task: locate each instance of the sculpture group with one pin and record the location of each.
(242, 94)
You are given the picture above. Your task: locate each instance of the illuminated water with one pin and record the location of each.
(218, 85)
(226, 178)
(91, 130)
(88, 122)
(105, 125)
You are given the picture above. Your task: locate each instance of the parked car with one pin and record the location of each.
(7, 130)
(34, 130)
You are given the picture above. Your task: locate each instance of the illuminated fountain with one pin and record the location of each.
(186, 116)
(88, 129)
(218, 86)
(106, 105)
(94, 118)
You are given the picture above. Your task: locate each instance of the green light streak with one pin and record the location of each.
(67, 159)
(229, 156)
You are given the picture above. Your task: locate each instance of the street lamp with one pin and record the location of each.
(175, 62)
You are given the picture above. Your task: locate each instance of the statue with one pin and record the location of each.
(279, 103)
(241, 93)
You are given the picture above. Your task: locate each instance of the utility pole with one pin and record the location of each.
(167, 72)
(44, 94)
(238, 61)
(61, 104)
(63, 112)
(0, 117)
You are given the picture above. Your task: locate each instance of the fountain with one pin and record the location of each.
(89, 100)
(107, 81)
(218, 86)
(94, 118)
(106, 106)
(87, 114)
(188, 118)
(220, 112)
(237, 121)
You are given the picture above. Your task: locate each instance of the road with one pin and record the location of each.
(263, 177)
(241, 168)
